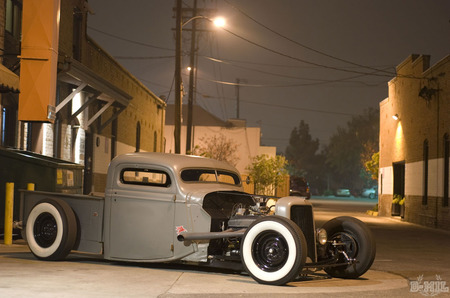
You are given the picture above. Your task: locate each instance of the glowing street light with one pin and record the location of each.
(178, 96)
(219, 22)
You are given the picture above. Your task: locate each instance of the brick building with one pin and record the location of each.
(100, 110)
(414, 142)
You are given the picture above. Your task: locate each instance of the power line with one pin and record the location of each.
(286, 107)
(287, 85)
(232, 61)
(129, 40)
(302, 60)
(305, 46)
(298, 109)
(142, 57)
(319, 81)
(241, 37)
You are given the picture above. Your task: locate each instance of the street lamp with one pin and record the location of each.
(177, 120)
(178, 90)
(218, 22)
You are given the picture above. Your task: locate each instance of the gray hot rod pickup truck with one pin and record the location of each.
(171, 208)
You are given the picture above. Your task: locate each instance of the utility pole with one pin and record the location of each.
(238, 81)
(191, 81)
(178, 95)
(179, 10)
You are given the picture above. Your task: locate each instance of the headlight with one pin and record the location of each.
(321, 236)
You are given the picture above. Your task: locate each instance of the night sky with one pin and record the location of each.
(317, 61)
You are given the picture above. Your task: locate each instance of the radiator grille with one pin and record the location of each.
(302, 215)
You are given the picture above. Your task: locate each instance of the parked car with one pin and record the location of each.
(172, 208)
(343, 192)
(370, 193)
(298, 186)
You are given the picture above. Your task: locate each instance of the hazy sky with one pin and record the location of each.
(318, 61)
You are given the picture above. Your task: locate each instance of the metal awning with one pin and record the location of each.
(9, 81)
(85, 79)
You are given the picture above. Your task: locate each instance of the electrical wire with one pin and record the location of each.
(129, 40)
(305, 46)
(141, 58)
(302, 60)
(321, 81)
(287, 84)
(286, 107)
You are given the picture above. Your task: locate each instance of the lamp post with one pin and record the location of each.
(178, 82)
(178, 97)
(191, 82)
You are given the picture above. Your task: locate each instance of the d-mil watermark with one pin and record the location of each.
(428, 287)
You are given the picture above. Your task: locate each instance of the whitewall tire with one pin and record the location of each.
(51, 229)
(273, 250)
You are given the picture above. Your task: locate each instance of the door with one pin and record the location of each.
(142, 214)
(399, 178)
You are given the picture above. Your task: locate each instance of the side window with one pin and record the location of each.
(228, 177)
(195, 175)
(210, 175)
(207, 177)
(147, 177)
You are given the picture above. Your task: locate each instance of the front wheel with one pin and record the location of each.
(51, 229)
(349, 240)
(273, 250)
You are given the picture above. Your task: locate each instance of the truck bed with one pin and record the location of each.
(89, 212)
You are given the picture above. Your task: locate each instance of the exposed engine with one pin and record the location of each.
(232, 211)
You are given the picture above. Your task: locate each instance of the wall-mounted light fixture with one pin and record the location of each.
(395, 117)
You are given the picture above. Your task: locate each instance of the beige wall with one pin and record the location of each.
(420, 95)
(247, 139)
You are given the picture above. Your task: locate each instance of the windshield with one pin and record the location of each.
(210, 175)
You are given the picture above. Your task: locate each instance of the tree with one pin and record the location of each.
(218, 147)
(348, 147)
(304, 157)
(267, 173)
(372, 165)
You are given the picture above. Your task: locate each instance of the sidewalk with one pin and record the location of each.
(80, 275)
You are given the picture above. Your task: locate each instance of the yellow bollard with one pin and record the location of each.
(9, 207)
(30, 186)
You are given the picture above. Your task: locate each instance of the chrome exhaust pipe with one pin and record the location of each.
(212, 235)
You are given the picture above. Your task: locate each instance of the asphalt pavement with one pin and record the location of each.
(411, 261)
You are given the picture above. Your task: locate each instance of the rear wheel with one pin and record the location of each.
(51, 229)
(354, 241)
(273, 250)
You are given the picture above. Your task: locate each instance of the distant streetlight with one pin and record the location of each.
(178, 96)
